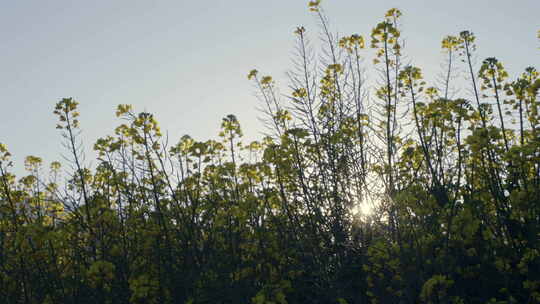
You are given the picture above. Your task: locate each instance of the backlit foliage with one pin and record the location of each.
(454, 180)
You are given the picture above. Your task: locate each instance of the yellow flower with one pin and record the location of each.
(252, 74)
(314, 5)
(266, 80)
(300, 30)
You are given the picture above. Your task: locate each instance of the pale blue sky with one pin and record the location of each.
(187, 61)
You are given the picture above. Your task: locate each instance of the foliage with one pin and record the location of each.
(455, 184)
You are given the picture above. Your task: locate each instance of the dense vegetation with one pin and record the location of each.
(454, 176)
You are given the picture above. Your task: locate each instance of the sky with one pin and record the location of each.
(187, 61)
